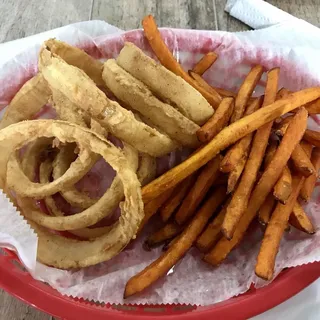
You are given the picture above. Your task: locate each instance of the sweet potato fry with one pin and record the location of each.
(167, 59)
(282, 126)
(210, 91)
(312, 137)
(205, 63)
(217, 122)
(177, 250)
(152, 207)
(283, 93)
(167, 232)
(273, 234)
(176, 198)
(199, 190)
(241, 196)
(240, 148)
(267, 209)
(225, 138)
(310, 182)
(212, 233)
(300, 220)
(313, 107)
(245, 92)
(299, 156)
(264, 186)
(235, 174)
(307, 147)
(283, 187)
(168, 244)
(302, 162)
(270, 152)
(225, 93)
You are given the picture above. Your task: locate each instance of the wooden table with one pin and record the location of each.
(20, 18)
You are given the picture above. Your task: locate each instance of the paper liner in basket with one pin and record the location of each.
(191, 281)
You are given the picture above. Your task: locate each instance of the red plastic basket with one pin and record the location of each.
(18, 282)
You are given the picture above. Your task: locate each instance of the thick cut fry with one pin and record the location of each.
(267, 209)
(167, 59)
(167, 232)
(176, 198)
(302, 162)
(273, 234)
(262, 189)
(217, 122)
(33, 95)
(205, 63)
(225, 138)
(283, 187)
(241, 196)
(206, 86)
(212, 233)
(245, 92)
(313, 137)
(240, 149)
(177, 250)
(235, 174)
(199, 190)
(152, 207)
(310, 182)
(300, 220)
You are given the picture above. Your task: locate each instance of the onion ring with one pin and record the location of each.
(19, 182)
(33, 95)
(66, 253)
(77, 58)
(31, 157)
(86, 233)
(147, 169)
(82, 91)
(80, 199)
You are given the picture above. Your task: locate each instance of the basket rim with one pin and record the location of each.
(22, 286)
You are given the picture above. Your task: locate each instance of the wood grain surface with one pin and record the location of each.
(20, 18)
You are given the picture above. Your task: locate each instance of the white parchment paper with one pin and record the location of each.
(191, 280)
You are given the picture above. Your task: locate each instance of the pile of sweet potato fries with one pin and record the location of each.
(257, 158)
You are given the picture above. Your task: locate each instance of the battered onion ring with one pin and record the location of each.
(31, 157)
(80, 199)
(66, 253)
(67, 111)
(17, 180)
(33, 95)
(86, 233)
(147, 169)
(82, 91)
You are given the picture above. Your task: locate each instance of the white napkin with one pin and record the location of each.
(276, 27)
